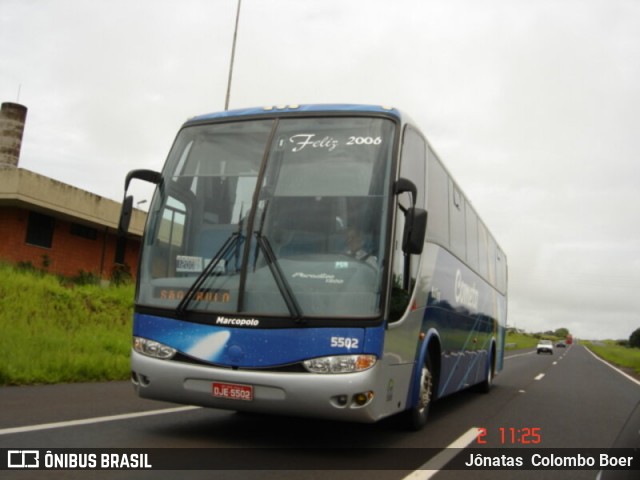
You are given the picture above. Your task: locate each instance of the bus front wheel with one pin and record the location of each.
(417, 416)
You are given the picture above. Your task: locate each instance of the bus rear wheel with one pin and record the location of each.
(485, 385)
(416, 417)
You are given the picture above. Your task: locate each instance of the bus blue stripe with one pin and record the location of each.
(259, 348)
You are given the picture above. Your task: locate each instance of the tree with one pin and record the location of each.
(561, 332)
(634, 339)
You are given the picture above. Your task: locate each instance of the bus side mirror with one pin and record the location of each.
(404, 185)
(150, 176)
(123, 228)
(125, 215)
(415, 229)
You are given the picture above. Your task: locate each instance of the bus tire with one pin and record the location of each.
(485, 385)
(416, 417)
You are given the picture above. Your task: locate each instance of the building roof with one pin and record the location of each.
(26, 189)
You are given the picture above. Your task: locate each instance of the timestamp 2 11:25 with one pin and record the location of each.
(512, 436)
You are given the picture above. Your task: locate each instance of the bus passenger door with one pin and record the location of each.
(406, 309)
(405, 265)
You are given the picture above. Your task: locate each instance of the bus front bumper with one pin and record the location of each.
(358, 397)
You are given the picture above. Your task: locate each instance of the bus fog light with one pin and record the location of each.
(342, 400)
(361, 399)
(152, 348)
(340, 363)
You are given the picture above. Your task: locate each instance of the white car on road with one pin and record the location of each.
(545, 346)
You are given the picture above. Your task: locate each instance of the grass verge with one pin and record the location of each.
(55, 333)
(625, 357)
(516, 341)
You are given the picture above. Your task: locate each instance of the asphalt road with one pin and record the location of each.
(571, 399)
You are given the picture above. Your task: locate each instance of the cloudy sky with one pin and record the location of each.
(533, 106)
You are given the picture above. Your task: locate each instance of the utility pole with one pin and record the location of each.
(233, 54)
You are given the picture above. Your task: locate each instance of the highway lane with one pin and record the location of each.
(572, 398)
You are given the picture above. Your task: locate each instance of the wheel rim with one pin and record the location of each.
(426, 385)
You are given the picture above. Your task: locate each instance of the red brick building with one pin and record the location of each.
(60, 228)
(51, 225)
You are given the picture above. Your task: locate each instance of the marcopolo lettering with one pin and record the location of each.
(237, 322)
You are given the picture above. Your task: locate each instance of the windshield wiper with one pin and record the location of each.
(209, 269)
(281, 281)
(272, 262)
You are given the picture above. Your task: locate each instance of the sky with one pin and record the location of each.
(533, 106)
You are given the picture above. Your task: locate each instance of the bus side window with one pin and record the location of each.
(457, 227)
(501, 273)
(472, 237)
(493, 259)
(483, 235)
(438, 203)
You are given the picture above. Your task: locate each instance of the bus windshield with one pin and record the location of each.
(272, 217)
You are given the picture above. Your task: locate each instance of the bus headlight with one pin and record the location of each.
(340, 363)
(152, 348)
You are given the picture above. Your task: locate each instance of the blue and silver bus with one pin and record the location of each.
(314, 260)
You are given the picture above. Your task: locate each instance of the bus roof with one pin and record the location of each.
(292, 109)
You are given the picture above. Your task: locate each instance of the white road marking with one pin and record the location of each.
(89, 421)
(616, 369)
(436, 464)
(539, 376)
(518, 355)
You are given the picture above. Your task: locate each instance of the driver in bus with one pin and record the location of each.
(356, 247)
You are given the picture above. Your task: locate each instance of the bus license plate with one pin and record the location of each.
(232, 391)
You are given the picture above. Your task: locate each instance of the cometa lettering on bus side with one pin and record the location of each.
(466, 295)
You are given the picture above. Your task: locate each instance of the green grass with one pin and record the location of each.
(516, 341)
(52, 333)
(609, 350)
